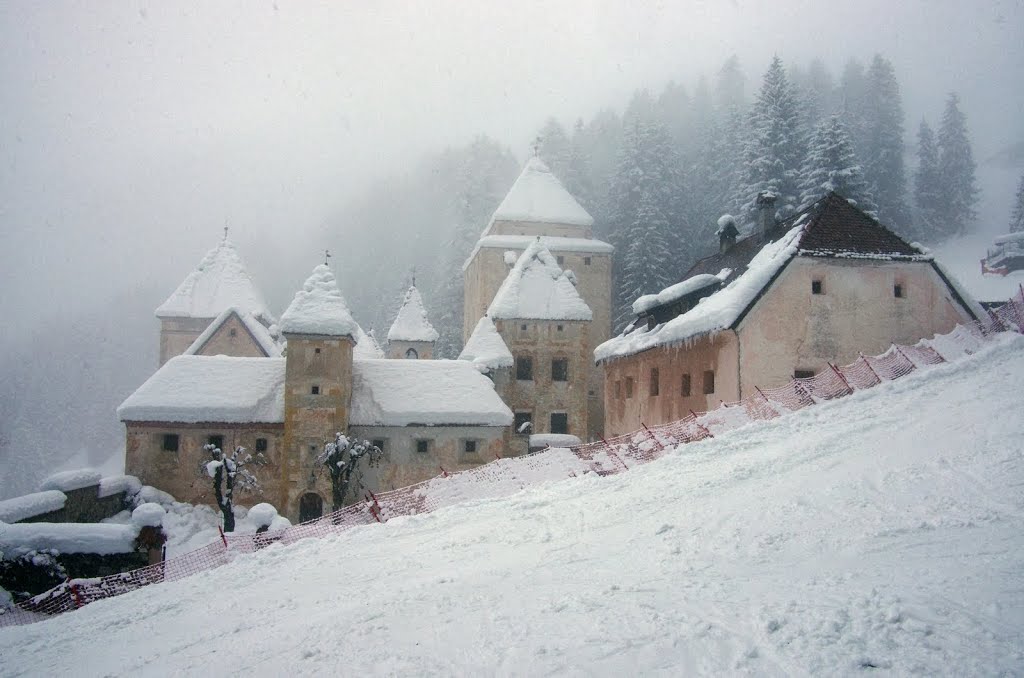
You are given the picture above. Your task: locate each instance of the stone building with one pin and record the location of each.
(822, 286)
(411, 335)
(538, 205)
(426, 415)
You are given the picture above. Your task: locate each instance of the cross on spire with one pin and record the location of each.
(327, 256)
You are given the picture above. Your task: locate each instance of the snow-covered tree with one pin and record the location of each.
(832, 166)
(554, 147)
(228, 472)
(928, 222)
(956, 168)
(730, 85)
(774, 150)
(1017, 214)
(882, 148)
(346, 459)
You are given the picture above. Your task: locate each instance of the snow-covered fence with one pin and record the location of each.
(503, 477)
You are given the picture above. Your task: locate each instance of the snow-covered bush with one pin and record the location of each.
(345, 459)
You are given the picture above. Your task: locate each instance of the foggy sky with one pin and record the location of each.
(130, 133)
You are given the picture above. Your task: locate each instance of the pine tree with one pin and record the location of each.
(555, 149)
(928, 222)
(956, 167)
(775, 148)
(832, 166)
(882, 147)
(1017, 215)
(730, 85)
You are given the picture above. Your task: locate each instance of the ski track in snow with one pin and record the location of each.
(880, 531)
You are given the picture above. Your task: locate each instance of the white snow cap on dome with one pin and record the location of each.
(538, 196)
(219, 282)
(485, 348)
(319, 308)
(367, 347)
(538, 289)
(411, 323)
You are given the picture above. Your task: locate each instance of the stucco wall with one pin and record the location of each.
(538, 228)
(177, 334)
(624, 414)
(424, 349)
(233, 339)
(790, 328)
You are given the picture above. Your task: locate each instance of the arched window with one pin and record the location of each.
(411, 354)
(311, 506)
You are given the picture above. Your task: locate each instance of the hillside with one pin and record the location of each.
(883, 530)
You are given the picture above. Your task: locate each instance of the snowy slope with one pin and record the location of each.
(881, 530)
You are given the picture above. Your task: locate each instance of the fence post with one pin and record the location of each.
(443, 472)
(839, 374)
(702, 427)
(656, 441)
(75, 595)
(872, 369)
(222, 537)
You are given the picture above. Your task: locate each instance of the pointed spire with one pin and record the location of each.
(537, 196)
(319, 308)
(485, 348)
(411, 324)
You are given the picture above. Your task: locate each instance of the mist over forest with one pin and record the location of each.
(131, 137)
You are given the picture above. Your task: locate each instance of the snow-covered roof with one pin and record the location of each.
(538, 289)
(18, 508)
(319, 308)
(426, 392)
(259, 332)
(537, 196)
(715, 312)
(678, 291)
(101, 538)
(485, 348)
(219, 282)
(411, 324)
(367, 347)
(553, 243)
(67, 481)
(191, 389)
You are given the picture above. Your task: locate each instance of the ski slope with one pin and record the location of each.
(884, 530)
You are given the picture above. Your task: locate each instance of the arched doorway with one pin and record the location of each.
(411, 354)
(311, 506)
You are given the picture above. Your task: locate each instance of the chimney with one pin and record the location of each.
(766, 212)
(726, 232)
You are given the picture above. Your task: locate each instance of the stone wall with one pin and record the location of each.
(234, 339)
(539, 228)
(177, 334)
(424, 349)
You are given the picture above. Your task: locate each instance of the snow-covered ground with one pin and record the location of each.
(884, 530)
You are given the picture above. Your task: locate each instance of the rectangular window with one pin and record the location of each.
(560, 328)
(897, 291)
(709, 382)
(378, 443)
(654, 385)
(422, 446)
(523, 422)
(560, 369)
(685, 387)
(524, 368)
(170, 442)
(522, 328)
(618, 390)
(586, 261)
(629, 387)
(561, 260)
(216, 441)
(803, 374)
(559, 422)
(316, 351)
(315, 390)
(817, 287)
(261, 444)
(469, 446)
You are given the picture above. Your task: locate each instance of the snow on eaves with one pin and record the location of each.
(678, 291)
(29, 505)
(537, 196)
(192, 389)
(553, 243)
(538, 289)
(67, 481)
(100, 538)
(366, 347)
(713, 313)
(260, 333)
(219, 282)
(411, 323)
(424, 392)
(318, 308)
(485, 348)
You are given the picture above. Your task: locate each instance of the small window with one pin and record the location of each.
(522, 328)
(586, 261)
(523, 422)
(378, 443)
(170, 442)
(422, 445)
(897, 291)
(261, 444)
(709, 382)
(469, 446)
(618, 390)
(629, 387)
(317, 351)
(560, 369)
(560, 328)
(216, 441)
(654, 385)
(686, 386)
(411, 354)
(315, 390)
(561, 260)
(524, 368)
(314, 450)
(559, 422)
(232, 332)
(817, 287)
(803, 374)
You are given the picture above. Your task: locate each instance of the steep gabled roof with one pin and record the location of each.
(219, 282)
(538, 289)
(537, 196)
(411, 323)
(838, 229)
(260, 334)
(485, 348)
(319, 308)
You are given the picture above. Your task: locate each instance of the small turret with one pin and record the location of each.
(411, 335)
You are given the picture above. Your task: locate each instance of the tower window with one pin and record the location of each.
(560, 328)
(422, 445)
(559, 422)
(709, 382)
(560, 369)
(561, 260)
(469, 446)
(655, 387)
(586, 261)
(315, 390)
(261, 444)
(685, 386)
(170, 442)
(411, 354)
(317, 351)
(817, 287)
(522, 328)
(897, 291)
(524, 368)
